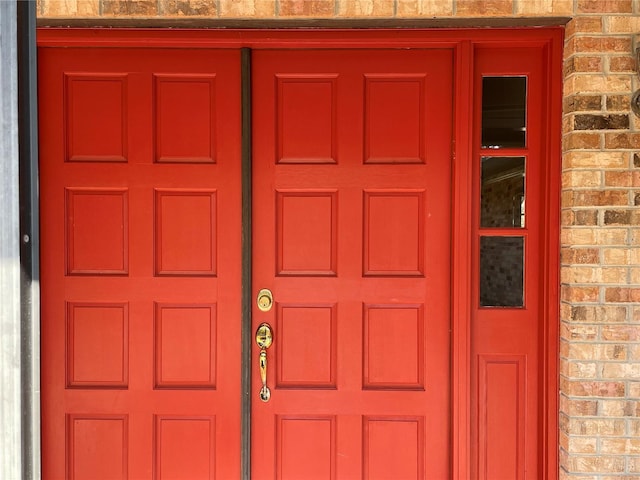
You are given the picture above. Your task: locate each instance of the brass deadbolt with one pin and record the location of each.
(265, 300)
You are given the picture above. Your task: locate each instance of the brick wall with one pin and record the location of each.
(600, 306)
(600, 355)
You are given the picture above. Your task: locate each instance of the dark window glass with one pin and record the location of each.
(501, 271)
(502, 196)
(504, 101)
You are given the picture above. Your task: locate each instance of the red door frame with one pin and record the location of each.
(463, 42)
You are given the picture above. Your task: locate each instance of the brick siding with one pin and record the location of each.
(600, 235)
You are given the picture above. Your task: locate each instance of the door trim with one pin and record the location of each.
(29, 451)
(461, 272)
(463, 42)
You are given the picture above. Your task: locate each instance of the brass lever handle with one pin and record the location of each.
(265, 393)
(264, 339)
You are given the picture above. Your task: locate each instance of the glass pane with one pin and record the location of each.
(504, 101)
(501, 271)
(502, 195)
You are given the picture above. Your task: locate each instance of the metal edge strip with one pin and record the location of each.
(245, 56)
(29, 240)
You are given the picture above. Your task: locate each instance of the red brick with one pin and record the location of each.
(595, 389)
(483, 8)
(604, 6)
(579, 255)
(579, 294)
(307, 8)
(620, 333)
(622, 64)
(604, 159)
(617, 217)
(578, 44)
(586, 103)
(584, 25)
(616, 44)
(599, 314)
(620, 256)
(373, 8)
(622, 294)
(618, 103)
(588, 44)
(579, 333)
(582, 445)
(581, 141)
(599, 198)
(586, 217)
(583, 408)
(567, 218)
(621, 179)
(584, 121)
(614, 141)
(582, 65)
(619, 83)
(597, 463)
(246, 8)
(142, 8)
(596, 426)
(579, 370)
(180, 8)
(634, 427)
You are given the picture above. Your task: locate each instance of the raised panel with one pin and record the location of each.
(96, 117)
(97, 345)
(393, 448)
(306, 225)
(394, 118)
(97, 231)
(185, 232)
(502, 393)
(185, 121)
(393, 233)
(393, 347)
(97, 447)
(185, 346)
(306, 118)
(306, 346)
(305, 447)
(184, 448)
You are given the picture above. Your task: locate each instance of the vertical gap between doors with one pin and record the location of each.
(245, 56)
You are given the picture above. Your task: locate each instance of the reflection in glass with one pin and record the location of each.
(502, 196)
(504, 101)
(501, 271)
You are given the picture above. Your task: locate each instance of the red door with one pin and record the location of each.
(141, 261)
(140, 204)
(351, 188)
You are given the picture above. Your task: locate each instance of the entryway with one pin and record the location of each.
(334, 202)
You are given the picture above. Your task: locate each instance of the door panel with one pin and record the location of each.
(140, 160)
(351, 233)
(506, 347)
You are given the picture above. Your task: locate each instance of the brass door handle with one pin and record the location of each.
(264, 339)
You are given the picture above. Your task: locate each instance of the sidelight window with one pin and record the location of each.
(503, 191)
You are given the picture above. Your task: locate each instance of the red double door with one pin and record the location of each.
(142, 261)
(144, 246)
